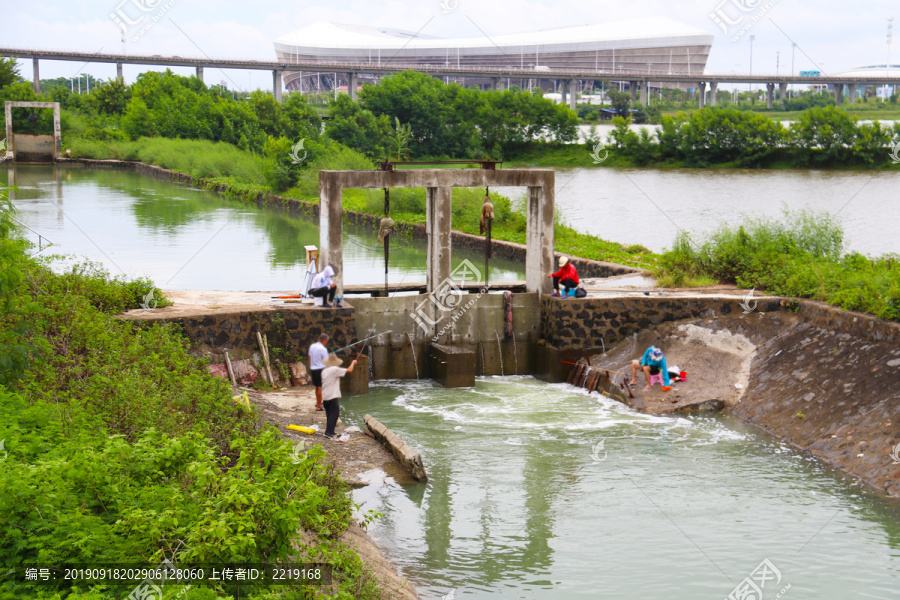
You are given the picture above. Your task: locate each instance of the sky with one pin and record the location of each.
(831, 35)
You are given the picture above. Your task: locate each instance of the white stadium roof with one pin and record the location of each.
(633, 33)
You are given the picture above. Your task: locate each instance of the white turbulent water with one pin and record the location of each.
(544, 491)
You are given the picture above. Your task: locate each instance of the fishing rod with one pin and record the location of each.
(596, 368)
(361, 341)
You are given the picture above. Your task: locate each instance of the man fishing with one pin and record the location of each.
(331, 389)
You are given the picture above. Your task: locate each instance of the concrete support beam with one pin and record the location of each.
(770, 94)
(438, 202)
(645, 92)
(495, 83)
(120, 75)
(713, 91)
(352, 84)
(563, 90)
(200, 73)
(37, 77)
(276, 84)
(701, 92)
(331, 230)
(782, 91)
(539, 238)
(839, 93)
(851, 92)
(633, 86)
(573, 87)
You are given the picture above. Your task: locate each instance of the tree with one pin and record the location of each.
(9, 71)
(112, 98)
(621, 101)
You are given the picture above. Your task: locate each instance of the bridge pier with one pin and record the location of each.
(276, 85)
(645, 92)
(838, 93)
(701, 91)
(200, 73)
(633, 88)
(573, 85)
(782, 91)
(713, 90)
(120, 75)
(851, 92)
(770, 94)
(37, 77)
(495, 83)
(563, 90)
(352, 84)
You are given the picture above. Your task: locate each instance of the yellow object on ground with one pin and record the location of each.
(242, 399)
(302, 429)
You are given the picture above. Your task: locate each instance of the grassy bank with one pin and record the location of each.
(121, 449)
(800, 255)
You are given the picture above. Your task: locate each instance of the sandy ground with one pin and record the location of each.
(361, 461)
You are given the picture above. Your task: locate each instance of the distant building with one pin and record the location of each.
(653, 44)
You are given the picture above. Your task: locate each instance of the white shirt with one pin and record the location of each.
(317, 353)
(331, 382)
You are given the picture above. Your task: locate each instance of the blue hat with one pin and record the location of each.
(656, 354)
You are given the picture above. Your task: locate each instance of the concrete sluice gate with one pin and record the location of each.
(30, 148)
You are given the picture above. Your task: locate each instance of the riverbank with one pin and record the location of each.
(360, 461)
(825, 381)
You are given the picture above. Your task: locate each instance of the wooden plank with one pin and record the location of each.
(230, 370)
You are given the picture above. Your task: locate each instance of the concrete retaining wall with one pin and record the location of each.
(575, 323)
(406, 456)
(402, 354)
(290, 331)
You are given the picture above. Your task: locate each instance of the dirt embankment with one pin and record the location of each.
(833, 394)
(361, 461)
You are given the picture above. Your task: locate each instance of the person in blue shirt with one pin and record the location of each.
(651, 363)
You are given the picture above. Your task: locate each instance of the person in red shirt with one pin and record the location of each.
(567, 276)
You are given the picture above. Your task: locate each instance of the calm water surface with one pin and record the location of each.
(185, 238)
(678, 508)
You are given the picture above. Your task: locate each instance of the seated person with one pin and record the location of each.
(567, 275)
(323, 288)
(652, 363)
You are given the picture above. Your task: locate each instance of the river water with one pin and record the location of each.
(543, 491)
(650, 206)
(185, 238)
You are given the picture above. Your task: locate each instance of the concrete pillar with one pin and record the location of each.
(633, 86)
(438, 201)
(495, 83)
(701, 92)
(573, 87)
(9, 135)
(563, 90)
(645, 92)
(37, 77)
(770, 94)
(276, 84)
(839, 93)
(713, 91)
(119, 74)
(782, 91)
(200, 73)
(331, 230)
(851, 92)
(539, 238)
(352, 84)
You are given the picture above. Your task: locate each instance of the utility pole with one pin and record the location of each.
(890, 38)
(752, 39)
